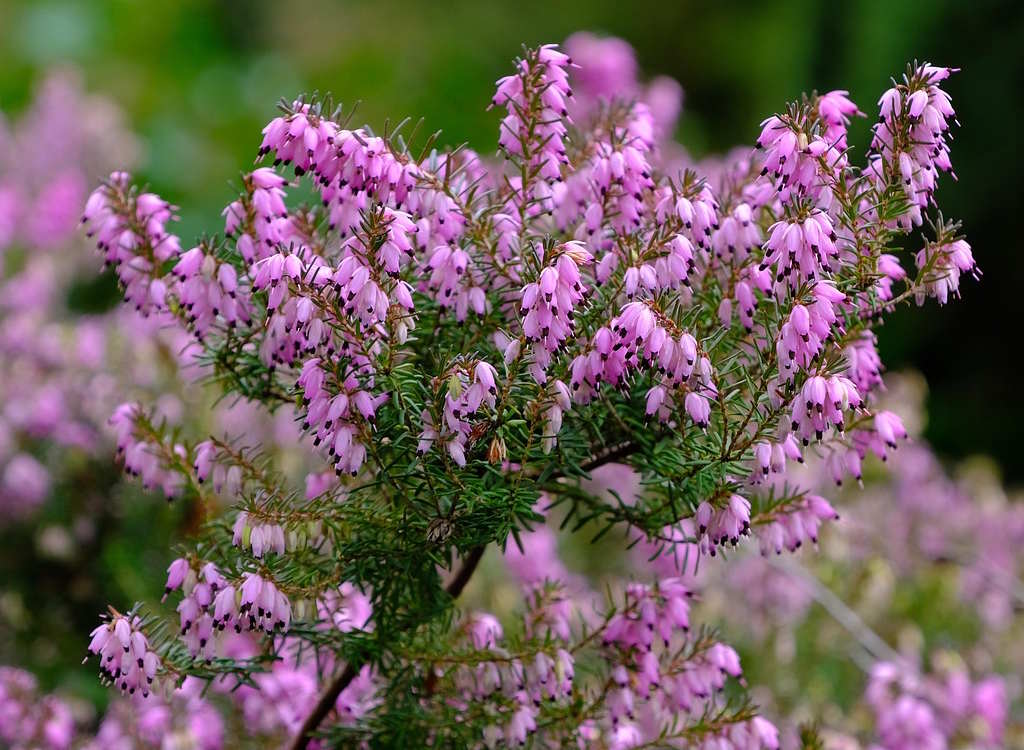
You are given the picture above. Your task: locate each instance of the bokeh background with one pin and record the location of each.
(199, 79)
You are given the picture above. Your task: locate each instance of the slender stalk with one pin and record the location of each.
(868, 639)
(330, 695)
(465, 572)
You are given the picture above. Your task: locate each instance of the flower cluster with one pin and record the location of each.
(535, 97)
(144, 457)
(548, 306)
(134, 242)
(210, 604)
(911, 137)
(723, 525)
(942, 263)
(802, 250)
(798, 524)
(125, 654)
(258, 537)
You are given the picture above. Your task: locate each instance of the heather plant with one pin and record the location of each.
(472, 345)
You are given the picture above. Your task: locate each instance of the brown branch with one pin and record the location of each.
(469, 565)
(330, 695)
(323, 707)
(611, 455)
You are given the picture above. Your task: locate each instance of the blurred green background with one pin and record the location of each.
(199, 79)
